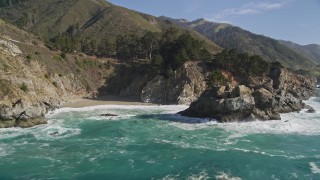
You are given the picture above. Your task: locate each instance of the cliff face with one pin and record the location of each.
(184, 86)
(27, 91)
(265, 99)
(34, 80)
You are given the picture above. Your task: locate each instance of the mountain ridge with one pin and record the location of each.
(82, 18)
(229, 36)
(150, 58)
(311, 51)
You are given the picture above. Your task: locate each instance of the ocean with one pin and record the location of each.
(153, 142)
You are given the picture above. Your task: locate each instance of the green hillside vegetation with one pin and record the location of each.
(89, 26)
(231, 37)
(148, 55)
(241, 65)
(165, 52)
(311, 51)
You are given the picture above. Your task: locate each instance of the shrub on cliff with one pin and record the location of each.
(241, 64)
(24, 87)
(216, 78)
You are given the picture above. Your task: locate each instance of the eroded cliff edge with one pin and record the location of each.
(35, 80)
(28, 90)
(281, 91)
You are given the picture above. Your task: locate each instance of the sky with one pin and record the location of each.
(293, 20)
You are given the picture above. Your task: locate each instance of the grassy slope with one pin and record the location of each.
(45, 66)
(97, 19)
(311, 51)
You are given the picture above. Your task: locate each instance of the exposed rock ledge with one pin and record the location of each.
(26, 95)
(281, 92)
(23, 114)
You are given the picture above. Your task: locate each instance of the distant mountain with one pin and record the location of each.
(311, 51)
(91, 21)
(228, 36)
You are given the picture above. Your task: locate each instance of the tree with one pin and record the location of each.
(216, 78)
(241, 63)
(89, 46)
(150, 42)
(123, 47)
(179, 59)
(157, 61)
(106, 48)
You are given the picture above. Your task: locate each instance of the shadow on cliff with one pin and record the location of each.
(126, 81)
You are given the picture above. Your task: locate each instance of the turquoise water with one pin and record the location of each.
(151, 142)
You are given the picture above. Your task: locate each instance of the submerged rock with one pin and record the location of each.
(311, 110)
(54, 133)
(109, 115)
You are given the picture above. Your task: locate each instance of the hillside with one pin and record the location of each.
(228, 36)
(311, 51)
(47, 18)
(82, 23)
(35, 79)
(87, 48)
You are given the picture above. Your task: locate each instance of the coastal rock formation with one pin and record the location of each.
(27, 95)
(281, 92)
(29, 83)
(183, 87)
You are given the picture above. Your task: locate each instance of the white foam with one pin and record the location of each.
(203, 175)
(268, 154)
(166, 108)
(314, 102)
(48, 133)
(5, 150)
(314, 168)
(293, 126)
(302, 123)
(111, 118)
(42, 132)
(225, 176)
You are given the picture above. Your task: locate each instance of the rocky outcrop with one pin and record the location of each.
(23, 113)
(281, 92)
(184, 86)
(27, 90)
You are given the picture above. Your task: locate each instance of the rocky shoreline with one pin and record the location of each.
(281, 92)
(24, 114)
(257, 99)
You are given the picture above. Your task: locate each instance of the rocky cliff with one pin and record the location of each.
(34, 80)
(260, 98)
(184, 86)
(27, 91)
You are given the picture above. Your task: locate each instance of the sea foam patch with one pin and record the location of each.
(302, 123)
(5, 150)
(225, 176)
(55, 132)
(314, 168)
(166, 108)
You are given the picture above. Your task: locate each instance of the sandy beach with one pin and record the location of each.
(107, 100)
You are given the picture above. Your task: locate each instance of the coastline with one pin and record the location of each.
(105, 100)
